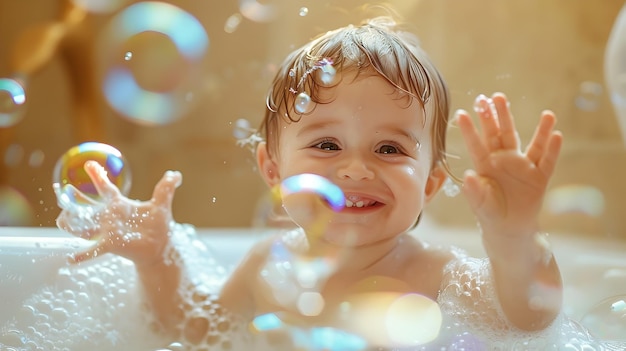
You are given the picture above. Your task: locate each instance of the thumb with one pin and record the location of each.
(474, 189)
(164, 190)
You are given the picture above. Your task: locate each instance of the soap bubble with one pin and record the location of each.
(15, 210)
(607, 319)
(151, 54)
(317, 184)
(69, 169)
(12, 102)
(99, 6)
(258, 11)
(589, 96)
(303, 103)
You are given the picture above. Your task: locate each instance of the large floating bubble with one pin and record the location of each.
(69, 169)
(151, 53)
(12, 102)
(316, 184)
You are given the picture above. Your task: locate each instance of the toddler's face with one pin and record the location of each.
(375, 146)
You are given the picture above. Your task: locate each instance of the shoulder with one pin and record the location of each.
(426, 263)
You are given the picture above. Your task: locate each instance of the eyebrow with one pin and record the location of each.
(316, 126)
(327, 124)
(405, 133)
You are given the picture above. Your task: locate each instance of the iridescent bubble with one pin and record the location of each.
(12, 102)
(69, 169)
(268, 321)
(256, 11)
(151, 54)
(15, 210)
(303, 103)
(607, 319)
(316, 184)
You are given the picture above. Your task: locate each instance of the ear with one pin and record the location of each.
(435, 180)
(267, 166)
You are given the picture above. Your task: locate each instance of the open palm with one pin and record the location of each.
(507, 187)
(137, 230)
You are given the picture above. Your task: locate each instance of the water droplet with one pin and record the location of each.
(302, 103)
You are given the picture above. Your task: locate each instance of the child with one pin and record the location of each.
(363, 107)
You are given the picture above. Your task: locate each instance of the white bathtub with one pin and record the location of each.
(33, 269)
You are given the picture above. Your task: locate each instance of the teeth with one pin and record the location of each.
(359, 203)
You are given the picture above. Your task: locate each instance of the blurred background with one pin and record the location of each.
(174, 85)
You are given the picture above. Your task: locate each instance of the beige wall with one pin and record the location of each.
(539, 52)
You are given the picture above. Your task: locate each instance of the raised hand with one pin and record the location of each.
(137, 230)
(507, 187)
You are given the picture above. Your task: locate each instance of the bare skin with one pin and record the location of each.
(505, 191)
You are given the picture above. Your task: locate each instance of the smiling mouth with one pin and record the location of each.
(355, 201)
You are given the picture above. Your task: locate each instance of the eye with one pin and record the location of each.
(388, 149)
(327, 145)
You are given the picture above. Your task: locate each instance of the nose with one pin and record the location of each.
(355, 168)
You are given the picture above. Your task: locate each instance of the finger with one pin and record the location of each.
(539, 141)
(488, 121)
(164, 190)
(508, 133)
(548, 161)
(68, 197)
(473, 189)
(98, 249)
(477, 149)
(77, 225)
(100, 180)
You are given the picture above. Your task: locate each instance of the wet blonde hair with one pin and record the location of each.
(376, 46)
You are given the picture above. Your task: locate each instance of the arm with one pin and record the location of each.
(137, 230)
(505, 192)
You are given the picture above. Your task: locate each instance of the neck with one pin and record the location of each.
(352, 258)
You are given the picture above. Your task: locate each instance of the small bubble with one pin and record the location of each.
(214, 199)
(13, 155)
(232, 23)
(589, 96)
(302, 103)
(12, 102)
(304, 11)
(36, 158)
(128, 56)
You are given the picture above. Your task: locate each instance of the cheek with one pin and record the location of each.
(412, 181)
